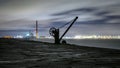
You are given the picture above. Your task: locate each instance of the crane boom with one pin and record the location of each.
(68, 28)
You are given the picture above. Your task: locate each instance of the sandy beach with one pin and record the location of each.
(16, 53)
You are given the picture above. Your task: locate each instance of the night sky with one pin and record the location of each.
(101, 17)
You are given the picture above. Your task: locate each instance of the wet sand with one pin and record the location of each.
(16, 53)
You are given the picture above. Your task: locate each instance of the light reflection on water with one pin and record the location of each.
(104, 43)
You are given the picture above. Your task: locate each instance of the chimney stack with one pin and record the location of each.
(37, 29)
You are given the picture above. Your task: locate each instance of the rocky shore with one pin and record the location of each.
(16, 53)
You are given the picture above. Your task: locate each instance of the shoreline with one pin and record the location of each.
(17, 53)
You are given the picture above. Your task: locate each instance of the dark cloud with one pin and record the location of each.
(78, 11)
(113, 16)
(2, 2)
(93, 22)
(57, 24)
(102, 13)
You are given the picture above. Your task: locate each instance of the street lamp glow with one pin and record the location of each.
(28, 34)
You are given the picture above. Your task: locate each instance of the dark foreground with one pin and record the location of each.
(31, 54)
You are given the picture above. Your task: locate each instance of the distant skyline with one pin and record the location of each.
(17, 17)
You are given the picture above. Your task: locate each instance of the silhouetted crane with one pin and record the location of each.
(55, 32)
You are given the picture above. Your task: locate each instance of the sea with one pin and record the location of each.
(101, 43)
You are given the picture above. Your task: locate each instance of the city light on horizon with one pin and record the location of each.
(96, 37)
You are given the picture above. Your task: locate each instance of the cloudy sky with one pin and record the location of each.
(17, 17)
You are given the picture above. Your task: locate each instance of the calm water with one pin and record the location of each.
(113, 43)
